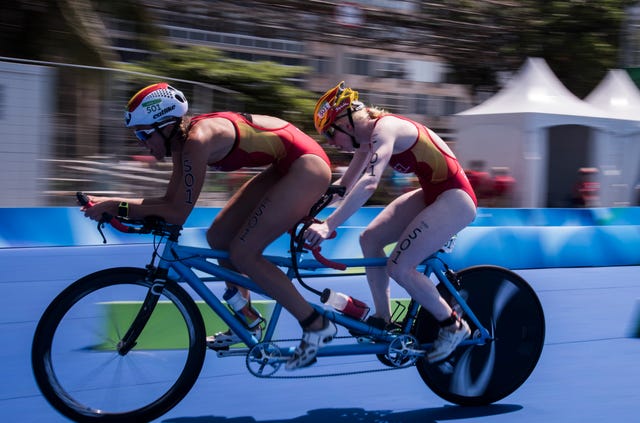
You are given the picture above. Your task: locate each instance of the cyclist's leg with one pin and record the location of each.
(235, 212)
(427, 231)
(225, 226)
(238, 208)
(280, 208)
(384, 229)
(288, 200)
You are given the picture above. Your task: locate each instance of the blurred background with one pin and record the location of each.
(68, 67)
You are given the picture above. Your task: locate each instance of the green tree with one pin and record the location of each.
(69, 31)
(578, 38)
(263, 87)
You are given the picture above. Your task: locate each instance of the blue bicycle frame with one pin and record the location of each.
(183, 259)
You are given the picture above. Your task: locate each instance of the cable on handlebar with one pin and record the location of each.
(106, 217)
(297, 243)
(149, 225)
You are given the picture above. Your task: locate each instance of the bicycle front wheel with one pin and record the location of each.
(482, 374)
(75, 358)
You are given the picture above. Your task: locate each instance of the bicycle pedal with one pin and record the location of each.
(309, 364)
(221, 348)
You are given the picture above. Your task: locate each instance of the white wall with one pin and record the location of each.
(425, 71)
(25, 118)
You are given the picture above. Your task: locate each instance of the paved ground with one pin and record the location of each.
(588, 371)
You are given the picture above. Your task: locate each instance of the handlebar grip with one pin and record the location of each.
(83, 199)
(116, 224)
(325, 261)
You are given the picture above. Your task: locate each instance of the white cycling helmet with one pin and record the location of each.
(155, 103)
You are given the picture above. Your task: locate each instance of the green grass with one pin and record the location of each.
(166, 329)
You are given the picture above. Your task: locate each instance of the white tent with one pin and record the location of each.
(619, 95)
(538, 129)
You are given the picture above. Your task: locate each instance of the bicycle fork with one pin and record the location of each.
(130, 338)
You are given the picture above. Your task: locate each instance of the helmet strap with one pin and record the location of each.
(167, 140)
(356, 145)
(353, 137)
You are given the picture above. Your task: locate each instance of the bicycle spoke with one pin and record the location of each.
(77, 363)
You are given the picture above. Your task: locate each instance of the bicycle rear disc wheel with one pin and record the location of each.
(482, 374)
(75, 359)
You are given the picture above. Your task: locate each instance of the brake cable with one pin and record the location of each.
(297, 244)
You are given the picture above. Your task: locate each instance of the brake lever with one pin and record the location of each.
(105, 219)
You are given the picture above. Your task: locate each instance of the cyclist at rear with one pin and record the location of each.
(419, 222)
(297, 172)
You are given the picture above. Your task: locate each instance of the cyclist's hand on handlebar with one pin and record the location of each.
(100, 206)
(316, 233)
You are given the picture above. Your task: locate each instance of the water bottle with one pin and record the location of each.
(249, 315)
(344, 303)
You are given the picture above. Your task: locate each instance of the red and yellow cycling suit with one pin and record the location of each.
(256, 146)
(436, 169)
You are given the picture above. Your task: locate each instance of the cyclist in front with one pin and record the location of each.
(297, 173)
(420, 221)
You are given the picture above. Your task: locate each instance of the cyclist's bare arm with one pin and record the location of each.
(372, 164)
(183, 190)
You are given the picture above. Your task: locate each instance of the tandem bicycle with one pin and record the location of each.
(98, 355)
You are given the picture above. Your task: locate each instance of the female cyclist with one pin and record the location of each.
(420, 221)
(297, 174)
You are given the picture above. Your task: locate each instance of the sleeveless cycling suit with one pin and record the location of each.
(437, 171)
(255, 146)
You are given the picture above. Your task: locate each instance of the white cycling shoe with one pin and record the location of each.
(448, 341)
(305, 353)
(222, 340)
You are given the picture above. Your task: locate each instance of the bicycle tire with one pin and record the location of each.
(479, 375)
(77, 373)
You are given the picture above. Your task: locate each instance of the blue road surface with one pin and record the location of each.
(589, 370)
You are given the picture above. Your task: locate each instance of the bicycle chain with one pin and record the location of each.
(355, 372)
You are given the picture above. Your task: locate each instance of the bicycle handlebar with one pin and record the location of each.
(322, 259)
(325, 261)
(156, 225)
(149, 225)
(298, 238)
(106, 217)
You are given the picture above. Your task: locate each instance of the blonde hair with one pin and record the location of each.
(370, 113)
(375, 112)
(185, 125)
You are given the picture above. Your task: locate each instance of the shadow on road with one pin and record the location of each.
(358, 415)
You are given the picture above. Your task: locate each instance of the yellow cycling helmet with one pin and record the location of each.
(331, 105)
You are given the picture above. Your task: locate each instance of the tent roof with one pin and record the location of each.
(618, 94)
(536, 89)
